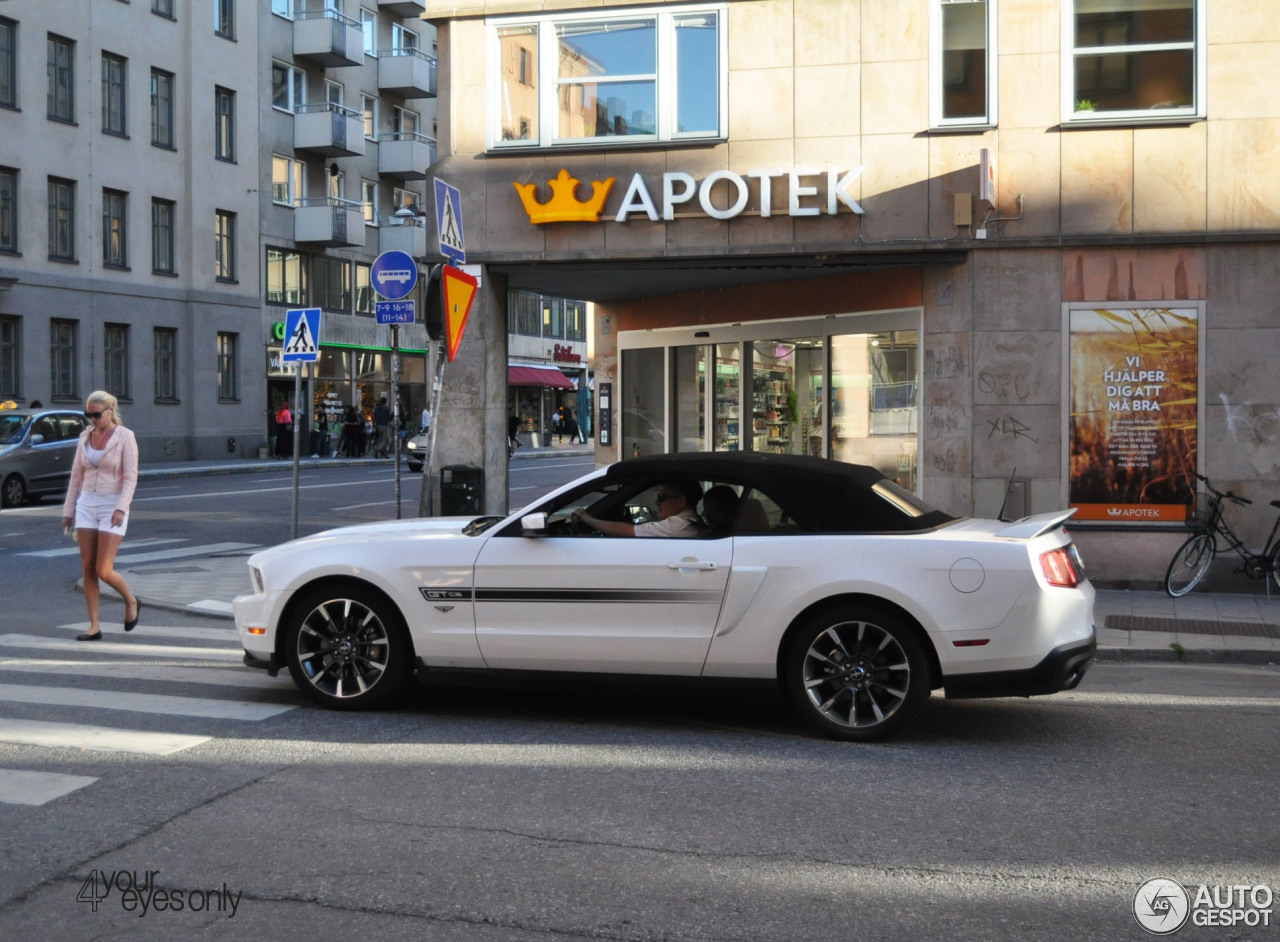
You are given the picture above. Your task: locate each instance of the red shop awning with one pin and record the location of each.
(537, 376)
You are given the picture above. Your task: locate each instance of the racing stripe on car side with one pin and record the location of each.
(597, 595)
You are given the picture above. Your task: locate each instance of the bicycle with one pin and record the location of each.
(1193, 558)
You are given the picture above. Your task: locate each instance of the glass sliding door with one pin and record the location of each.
(644, 428)
(874, 414)
(689, 398)
(726, 431)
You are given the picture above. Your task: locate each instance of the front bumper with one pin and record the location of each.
(1062, 669)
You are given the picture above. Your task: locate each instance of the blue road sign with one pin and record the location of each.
(394, 274)
(394, 312)
(301, 335)
(449, 222)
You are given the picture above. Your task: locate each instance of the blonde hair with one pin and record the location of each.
(104, 398)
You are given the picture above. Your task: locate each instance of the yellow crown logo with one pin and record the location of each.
(564, 205)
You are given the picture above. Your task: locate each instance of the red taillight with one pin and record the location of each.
(1058, 569)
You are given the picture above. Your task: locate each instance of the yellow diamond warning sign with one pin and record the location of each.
(459, 290)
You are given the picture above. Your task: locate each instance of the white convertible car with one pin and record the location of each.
(826, 577)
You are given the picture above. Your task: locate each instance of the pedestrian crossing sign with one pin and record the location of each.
(302, 335)
(449, 222)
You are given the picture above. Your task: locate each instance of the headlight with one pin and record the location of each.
(255, 575)
(411, 445)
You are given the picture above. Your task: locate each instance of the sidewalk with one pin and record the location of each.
(1132, 625)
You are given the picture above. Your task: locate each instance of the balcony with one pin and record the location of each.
(327, 38)
(329, 130)
(408, 237)
(329, 221)
(406, 155)
(408, 73)
(412, 8)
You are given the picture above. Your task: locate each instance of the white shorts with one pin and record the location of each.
(93, 512)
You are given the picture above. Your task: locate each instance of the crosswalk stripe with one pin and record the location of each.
(120, 650)
(97, 738)
(141, 702)
(214, 676)
(24, 787)
(74, 550)
(206, 549)
(163, 631)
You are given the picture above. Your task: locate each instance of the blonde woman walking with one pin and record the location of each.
(103, 478)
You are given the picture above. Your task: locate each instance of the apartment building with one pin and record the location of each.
(175, 175)
(1017, 254)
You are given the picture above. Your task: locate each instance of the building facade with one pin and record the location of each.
(176, 175)
(1017, 254)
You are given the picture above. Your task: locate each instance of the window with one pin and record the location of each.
(589, 78)
(405, 123)
(113, 93)
(8, 210)
(161, 108)
(288, 87)
(403, 38)
(115, 356)
(224, 237)
(165, 356)
(10, 363)
(1134, 60)
(331, 284)
(224, 19)
(162, 8)
(286, 277)
(115, 210)
(552, 317)
(287, 181)
(337, 183)
(365, 298)
(369, 25)
(162, 236)
(8, 63)
(61, 65)
(228, 366)
(528, 315)
(401, 198)
(282, 8)
(224, 110)
(369, 196)
(575, 320)
(62, 219)
(63, 378)
(962, 41)
(370, 116)
(334, 92)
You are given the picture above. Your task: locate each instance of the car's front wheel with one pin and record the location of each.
(14, 491)
(857, 675)
(348, 648)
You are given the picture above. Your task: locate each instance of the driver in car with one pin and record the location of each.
(676, 514)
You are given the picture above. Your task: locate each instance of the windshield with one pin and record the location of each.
(12, 428)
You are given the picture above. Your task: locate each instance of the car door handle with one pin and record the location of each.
(693, 564)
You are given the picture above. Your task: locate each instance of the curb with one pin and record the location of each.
(1187, 656)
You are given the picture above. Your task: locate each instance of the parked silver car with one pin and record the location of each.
(36, 450)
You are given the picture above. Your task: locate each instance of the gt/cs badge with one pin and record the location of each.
(445, 595)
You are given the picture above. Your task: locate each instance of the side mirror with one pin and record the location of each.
(35, 440)
(534, 524)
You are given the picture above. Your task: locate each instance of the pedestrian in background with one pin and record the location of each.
(352, 433)
(284, 431)
(513, 434)
(381, 419)
(104, 475)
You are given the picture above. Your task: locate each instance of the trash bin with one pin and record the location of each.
(461, 490)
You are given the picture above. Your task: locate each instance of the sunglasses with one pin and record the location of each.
(94, 415)
(666, 497)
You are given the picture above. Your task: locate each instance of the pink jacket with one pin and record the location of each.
(117, 472)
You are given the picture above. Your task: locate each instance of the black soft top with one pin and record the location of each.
(820, 495)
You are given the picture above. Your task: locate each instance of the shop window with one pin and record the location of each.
(962, 38)
(608, 81)
(1133, 60)
(786, 385)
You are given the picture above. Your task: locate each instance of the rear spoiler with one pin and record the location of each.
(1028, 528)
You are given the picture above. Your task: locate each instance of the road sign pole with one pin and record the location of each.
(397, 412)
(426, 502)
(297, 395)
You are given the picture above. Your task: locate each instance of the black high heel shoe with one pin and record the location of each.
(90, 636)
(133, 622)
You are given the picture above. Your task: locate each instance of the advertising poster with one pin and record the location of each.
(1134, 391)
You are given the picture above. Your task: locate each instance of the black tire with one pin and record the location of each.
(1189, 564)
(857, 675)
(14, 491)
(347, 648)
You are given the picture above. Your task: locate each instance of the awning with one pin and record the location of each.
(537, 376)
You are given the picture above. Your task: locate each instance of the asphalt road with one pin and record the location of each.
(596, 810)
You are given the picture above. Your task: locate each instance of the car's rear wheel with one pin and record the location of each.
(857, 675)
(14, 491)
(348, 648)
